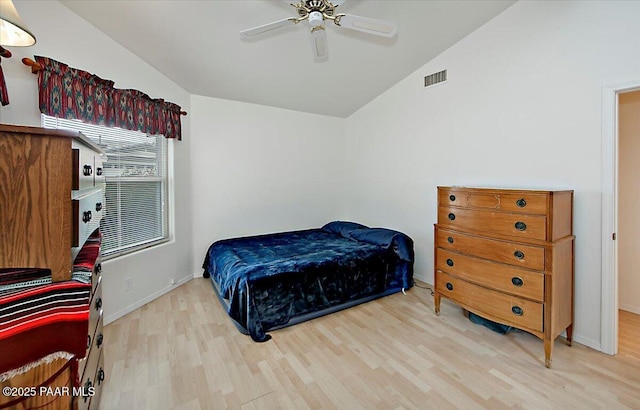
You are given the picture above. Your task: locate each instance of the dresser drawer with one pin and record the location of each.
(98, 176)
(522, 226)
(88, 365)
(516, 201)
(516, 281)
(95, 308)
(83, 168)
(491, 304)
(87, 163)
(96, 274)
(87, 213)
(513, 253)
(98, 383)
(91, 385)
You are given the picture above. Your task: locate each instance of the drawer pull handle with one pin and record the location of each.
(520, 226)
(98, 303)
(88, 341)
(450, 239)
(86, 216)
(452, 216)
(99, 171)
(100, 376)
(521, 203)
(98, 268)
(450, 262)
(517, 310)
(449, 286)
(100, 339)
(519, 254)
(98, 206)
(87, 170)
(86, 390)
(452, 198)
(517, 281)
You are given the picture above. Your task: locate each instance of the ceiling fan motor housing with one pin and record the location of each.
(315, 4)
(307, 7)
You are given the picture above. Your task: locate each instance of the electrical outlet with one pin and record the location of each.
(128, 284)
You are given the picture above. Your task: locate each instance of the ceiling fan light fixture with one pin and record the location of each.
(316, 19)
(13, 31)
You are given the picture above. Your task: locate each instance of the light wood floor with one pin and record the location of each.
(182, 351)
(629, 335)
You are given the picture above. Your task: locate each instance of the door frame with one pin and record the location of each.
(609, 298)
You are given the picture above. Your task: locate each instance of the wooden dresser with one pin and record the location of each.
(51, 205)
(508, 256)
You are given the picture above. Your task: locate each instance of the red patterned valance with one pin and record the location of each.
(69, 93)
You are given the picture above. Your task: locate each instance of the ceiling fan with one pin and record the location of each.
(319, 11)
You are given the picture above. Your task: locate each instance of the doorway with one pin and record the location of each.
(628, 246)
(610, 212)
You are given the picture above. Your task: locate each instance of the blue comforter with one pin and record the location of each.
(269, 280)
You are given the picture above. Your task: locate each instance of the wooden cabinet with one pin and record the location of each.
(35, 199)
(44, 209)
(508, 256)
(51, 204)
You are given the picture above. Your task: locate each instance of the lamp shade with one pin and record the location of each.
(13, 31)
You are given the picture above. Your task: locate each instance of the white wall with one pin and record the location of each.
(64, 36)
(521, 108)
(258, 169)
(628, 200)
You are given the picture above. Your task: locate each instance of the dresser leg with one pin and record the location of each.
(548, 347)
(569, 334)
(436, 301)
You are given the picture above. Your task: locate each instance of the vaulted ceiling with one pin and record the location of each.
(196, 44)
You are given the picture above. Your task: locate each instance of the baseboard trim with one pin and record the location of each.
(631, 309)
(125, 311)
(422, 278)
(587, 342)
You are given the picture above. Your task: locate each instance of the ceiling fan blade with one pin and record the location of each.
(255, 31)
(319, 44)
(367, 25)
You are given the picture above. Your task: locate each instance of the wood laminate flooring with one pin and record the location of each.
(181, 351)
(629, 335)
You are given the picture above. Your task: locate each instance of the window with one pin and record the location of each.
(136, 186)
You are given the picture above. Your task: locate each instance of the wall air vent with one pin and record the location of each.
(435, 78)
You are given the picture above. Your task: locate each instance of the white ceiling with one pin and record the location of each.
(196, 44)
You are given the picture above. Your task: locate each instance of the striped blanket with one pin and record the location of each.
(38, 317)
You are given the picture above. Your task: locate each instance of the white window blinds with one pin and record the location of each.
(135, 170)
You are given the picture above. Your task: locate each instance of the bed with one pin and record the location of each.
(267, 282)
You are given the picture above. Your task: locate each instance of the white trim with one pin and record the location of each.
(609, 295)
(123, 312)
(421, 277)
(593, 344)
(631, 309)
